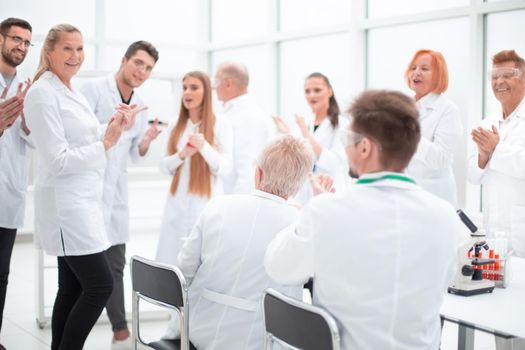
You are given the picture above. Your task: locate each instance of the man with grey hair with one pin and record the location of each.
(222, 260)
(251, 130)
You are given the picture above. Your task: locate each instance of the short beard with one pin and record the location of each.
(353, 174)
(9, 60)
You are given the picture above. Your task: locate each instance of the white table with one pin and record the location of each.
(501, 312)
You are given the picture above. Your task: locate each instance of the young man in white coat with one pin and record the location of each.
(15, 40)
(251, 130)
(104, 95)
(383, 252)
(499, 163)
(222, 260)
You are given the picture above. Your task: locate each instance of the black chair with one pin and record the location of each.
(165, 286)
(296, 324)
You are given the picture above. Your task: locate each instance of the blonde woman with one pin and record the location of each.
(71, 146)
(199, 149)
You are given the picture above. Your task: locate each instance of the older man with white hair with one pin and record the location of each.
(222, 259)
(251, 130)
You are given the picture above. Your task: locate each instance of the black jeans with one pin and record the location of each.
(7, 241)
(84, 286)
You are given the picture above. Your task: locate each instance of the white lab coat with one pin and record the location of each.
(251, 132)
(223, 262)
(14, 166)
(103, 96)
(182, 210)
(503, 180)
(382, 255)
(332, 161)
(71, 162)
(441, 131)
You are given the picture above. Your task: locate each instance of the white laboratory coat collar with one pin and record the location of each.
(58, 85)
(3, 83)
(429, 101)
(387, 182)
(518, 112)
(112, 83)
(270, 196)
(236, 101)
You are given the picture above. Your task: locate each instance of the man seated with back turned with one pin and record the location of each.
(222, 258)
(383, 252)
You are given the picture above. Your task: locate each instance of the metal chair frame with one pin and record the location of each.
(270, 338)
(183, 310)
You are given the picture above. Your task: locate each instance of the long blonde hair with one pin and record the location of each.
(52, 38)
(200, 174)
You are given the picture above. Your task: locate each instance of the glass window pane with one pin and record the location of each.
(390, 50)
(42, 15)
(238, 19)
(504, 32)
(257, 60)
(331, 57)
(389, 8)
(308, 14)
(174, 21)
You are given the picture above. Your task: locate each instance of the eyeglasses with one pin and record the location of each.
(215, 82)
(18, 40)
(350, 137)
(504, 73)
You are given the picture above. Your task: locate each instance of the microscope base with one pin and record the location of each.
(468, 290)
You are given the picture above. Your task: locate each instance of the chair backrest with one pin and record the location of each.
(163, 285)
(297, 324)
(158, 282)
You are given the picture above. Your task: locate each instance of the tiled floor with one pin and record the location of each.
(21, 332)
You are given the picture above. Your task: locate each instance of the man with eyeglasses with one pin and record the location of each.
(103, 95)
(251, 130)
(15, 40)
(382, 252)
(499, 163)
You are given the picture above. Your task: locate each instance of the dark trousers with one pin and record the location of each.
(84, 286)
(7, 241)
(115, 306)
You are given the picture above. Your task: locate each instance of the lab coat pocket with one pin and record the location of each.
(517, 229)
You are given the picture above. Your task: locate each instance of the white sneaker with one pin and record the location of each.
(121, 344)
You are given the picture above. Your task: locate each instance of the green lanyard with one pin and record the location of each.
(385, 177)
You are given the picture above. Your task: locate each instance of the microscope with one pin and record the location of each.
(469, 279)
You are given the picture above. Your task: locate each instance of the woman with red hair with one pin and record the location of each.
(199, 149)
(441, 129)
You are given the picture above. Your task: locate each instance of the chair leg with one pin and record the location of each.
(184, 331)
(268, 341)
(135, 321)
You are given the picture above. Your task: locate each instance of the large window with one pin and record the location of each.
(239, 19)
(388, 8)
(356, 43)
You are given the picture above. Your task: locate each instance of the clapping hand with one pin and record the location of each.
(322, 184)
(302, 126)
(10, 109)
(153, 131)
(132, 111)
(281, 125)
(116, 126)
(486, 140)
(196, 140)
